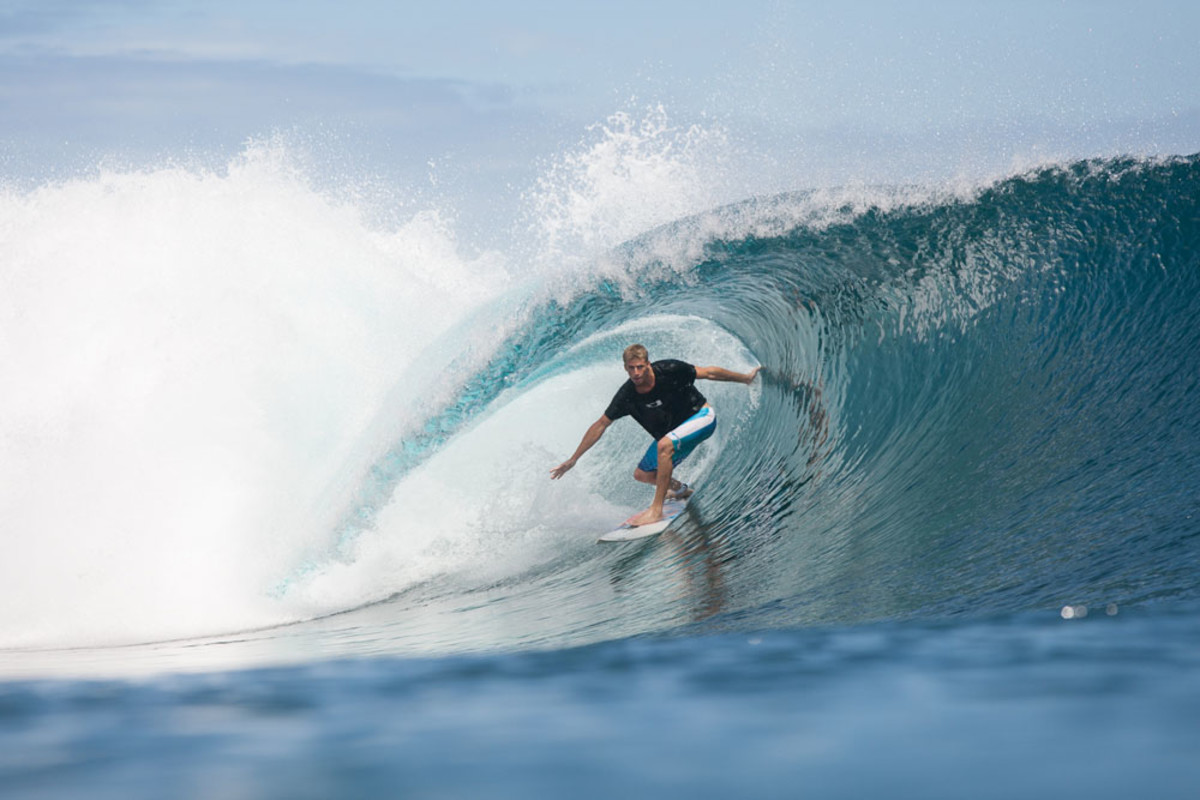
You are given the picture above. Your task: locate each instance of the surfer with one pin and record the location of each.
(663, 398)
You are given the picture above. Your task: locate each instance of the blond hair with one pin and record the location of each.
(634, 352)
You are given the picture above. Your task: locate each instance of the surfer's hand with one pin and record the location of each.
(751, 375)
(561, 469)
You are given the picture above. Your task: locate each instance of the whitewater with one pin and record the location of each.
(269, 445)
(217, 362)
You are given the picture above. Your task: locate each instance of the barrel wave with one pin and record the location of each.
(973, 403)
(970, 405)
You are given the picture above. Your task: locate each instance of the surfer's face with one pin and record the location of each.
(640, 373)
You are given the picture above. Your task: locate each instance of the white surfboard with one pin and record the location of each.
(672, 509)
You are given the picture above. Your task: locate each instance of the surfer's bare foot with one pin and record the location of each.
(646, 517)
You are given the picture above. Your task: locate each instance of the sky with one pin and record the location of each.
(811, 93)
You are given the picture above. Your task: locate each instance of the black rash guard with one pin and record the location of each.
(673, 399)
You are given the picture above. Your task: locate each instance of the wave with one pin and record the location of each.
(972, 402)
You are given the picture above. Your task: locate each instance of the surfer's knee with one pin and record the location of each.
(666, 449)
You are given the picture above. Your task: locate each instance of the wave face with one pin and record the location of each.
(976, 404)
(973, 407)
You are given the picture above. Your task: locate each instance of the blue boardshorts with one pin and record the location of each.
(694, 430)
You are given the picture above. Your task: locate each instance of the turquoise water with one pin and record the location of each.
(946, 547)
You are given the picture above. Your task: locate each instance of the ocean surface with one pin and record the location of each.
(277, 519)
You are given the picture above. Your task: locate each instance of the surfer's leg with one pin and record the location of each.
(662, 481)
(692, 432)
(647, 469)
(666, 465)
(683, 440)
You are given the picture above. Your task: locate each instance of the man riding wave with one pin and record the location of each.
(663, 398)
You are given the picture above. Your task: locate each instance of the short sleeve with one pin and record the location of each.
(618, 407)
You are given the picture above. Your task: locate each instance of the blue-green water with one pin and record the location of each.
(977, 421)
(1022, 705)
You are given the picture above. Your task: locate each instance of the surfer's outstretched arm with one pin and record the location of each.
(590, 437)
(727, 375)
